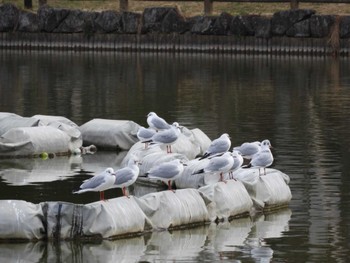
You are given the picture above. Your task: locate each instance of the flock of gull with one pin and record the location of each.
(160, 132)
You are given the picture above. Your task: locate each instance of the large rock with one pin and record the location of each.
(301, 29)
(203, 25)
(50, 18)
(76, 22)
(320, 25)
(174, 22)
(28, 22)
(152, 18)
(109, 22)
(282, 21)
(131, 22)
(9, 15)
(262, 26)
(242, 26)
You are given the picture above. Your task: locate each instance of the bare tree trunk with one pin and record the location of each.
(28, 4)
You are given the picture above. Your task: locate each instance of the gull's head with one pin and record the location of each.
(110, 170)
(266, 143)
(151, 114)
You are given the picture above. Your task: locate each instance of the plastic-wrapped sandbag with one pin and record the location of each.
(47, 119)
(268, 191)
(190, 180)
(110, 134)
(102, 219)
(8, 114)
(228, 200)
(167, 209)
(29, 141)
(202, 140)
(16, 121)
(21, 220)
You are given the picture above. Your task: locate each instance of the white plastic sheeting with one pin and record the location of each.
(103, 219)
(10, 122)
(228, 200)
(28, 141)
(168, 209)
(270, 190)
(110, 134)
(21, 220)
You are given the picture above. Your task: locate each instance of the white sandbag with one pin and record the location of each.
(27, 171)
(47, 119)
(152, 157)
(8, 114)
(21, 220)
(190, 144)
(202, 140)
(167, 209)
(228, 200)
(16, 121)
(267, 191)
(102, 219)
(110, 134)
(28, 141)
(190, 180)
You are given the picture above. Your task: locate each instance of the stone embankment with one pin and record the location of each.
(299, 31)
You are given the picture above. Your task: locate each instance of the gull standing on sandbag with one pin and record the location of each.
(167, 172)
(248, 149)
(157, 123)
(145, 135)
(98, 183)
(237, 162)
(263, 158)
(167, 137)
(218, 146)
(218, 164)
(126, 176)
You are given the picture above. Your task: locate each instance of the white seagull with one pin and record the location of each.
(237, 162)
(167, 172)
(248, 149)
(98, 183)
(263, 158)
(126, 176)
(218, 146)
(218, 164)
(145, 135)
(157, 123)
(167, 137)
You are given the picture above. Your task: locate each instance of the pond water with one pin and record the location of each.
(301, 104)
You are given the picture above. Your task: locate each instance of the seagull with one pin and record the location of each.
(263, 158)
(126, 176)
(98, 183)
(237, 162)
(167, 172)
(157, 123)
(145, 134)
(248, 149)
(218, 146)
(167, 137)
(218, 164)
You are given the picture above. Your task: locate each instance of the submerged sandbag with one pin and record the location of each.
(110, 134)
(21, 220)
(228, 199)
(16, 121)
(168, 209)
(268, 191)
(102, 219)
(29, 141)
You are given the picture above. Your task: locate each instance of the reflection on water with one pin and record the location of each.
(237, 240)
(301, 104)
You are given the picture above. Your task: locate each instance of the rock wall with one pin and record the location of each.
(165, 27)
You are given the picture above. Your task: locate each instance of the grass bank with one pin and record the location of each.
(189, 8)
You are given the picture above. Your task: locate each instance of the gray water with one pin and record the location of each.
(302, 104)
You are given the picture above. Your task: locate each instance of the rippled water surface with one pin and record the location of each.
(301, 104)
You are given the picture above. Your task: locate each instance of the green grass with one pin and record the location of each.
(189, 8)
